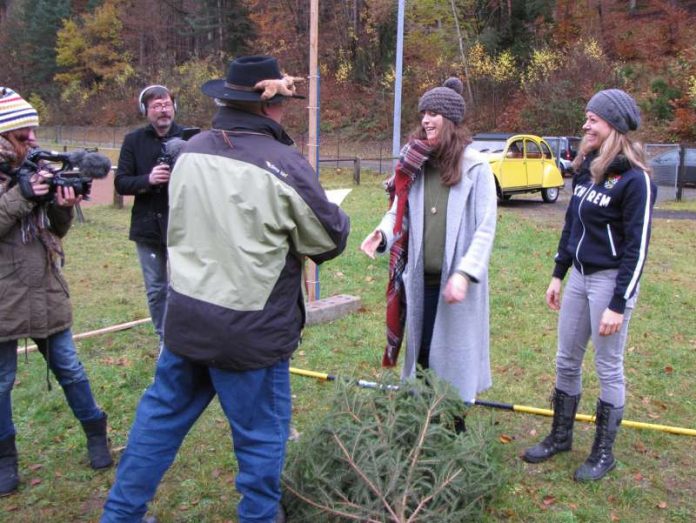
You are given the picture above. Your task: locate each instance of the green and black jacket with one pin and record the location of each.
(245, 207)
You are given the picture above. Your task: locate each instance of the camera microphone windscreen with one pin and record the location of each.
(174, 147)
(93, 165)
(75, 157)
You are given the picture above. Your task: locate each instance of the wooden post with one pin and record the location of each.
(681, 171)
(118, 198)
(311, 270)
(356, 170)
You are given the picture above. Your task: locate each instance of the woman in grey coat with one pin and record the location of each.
(440, 231)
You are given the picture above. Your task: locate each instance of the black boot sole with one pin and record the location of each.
(532, 459)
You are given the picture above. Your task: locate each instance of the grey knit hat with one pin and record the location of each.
(446, 100)
(617, 108)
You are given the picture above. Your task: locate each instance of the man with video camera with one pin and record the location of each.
(142, 173)
(34, 216)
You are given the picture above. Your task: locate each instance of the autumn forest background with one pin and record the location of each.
(527, 65)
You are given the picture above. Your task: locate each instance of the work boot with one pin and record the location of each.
(601, 459)
(9, 474)
(561, 437)
(97, 443)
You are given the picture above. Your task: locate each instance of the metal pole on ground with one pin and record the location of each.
(682, 431)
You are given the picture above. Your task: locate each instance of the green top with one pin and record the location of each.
(434, 223)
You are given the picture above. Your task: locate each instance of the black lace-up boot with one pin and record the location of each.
(561, 437)
(601, 460)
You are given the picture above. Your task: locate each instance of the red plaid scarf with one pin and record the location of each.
(413, 156)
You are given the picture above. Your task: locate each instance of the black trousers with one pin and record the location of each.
(431, 295)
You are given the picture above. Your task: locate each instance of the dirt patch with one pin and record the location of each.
(103, 192)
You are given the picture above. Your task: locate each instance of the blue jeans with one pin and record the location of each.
(61, 355)
(153, 262)
(257, 405)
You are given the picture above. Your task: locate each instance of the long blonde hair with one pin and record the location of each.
(452, 141)
(613, 145)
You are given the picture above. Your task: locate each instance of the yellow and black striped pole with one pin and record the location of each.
(682, 431)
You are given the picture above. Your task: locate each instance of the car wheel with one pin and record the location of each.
(550, 194)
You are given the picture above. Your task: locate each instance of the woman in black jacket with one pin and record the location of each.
(604, 243)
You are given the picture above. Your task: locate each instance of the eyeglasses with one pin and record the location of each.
(162, 106)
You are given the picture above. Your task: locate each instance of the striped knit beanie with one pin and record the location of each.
(446, 100)
(15, 111)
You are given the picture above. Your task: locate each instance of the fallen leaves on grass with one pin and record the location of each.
(640, 447)
(119, 362)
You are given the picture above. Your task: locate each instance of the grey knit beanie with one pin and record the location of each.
(617, 108)
(446, 100)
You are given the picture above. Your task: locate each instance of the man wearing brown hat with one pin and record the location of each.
(245, 207)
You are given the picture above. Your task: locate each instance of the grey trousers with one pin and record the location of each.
(584, 300)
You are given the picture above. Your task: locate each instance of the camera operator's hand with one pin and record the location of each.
(35, 187)
(159, 175)
(39, 183)
(65, 197)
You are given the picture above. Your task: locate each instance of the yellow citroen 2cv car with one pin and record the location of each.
(523, 163)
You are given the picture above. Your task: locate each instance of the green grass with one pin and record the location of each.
(684, 205)
(653, 482)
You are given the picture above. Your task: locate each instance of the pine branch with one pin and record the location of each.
(369, 483)
(415, 453)
(328, 509)
(425, 500)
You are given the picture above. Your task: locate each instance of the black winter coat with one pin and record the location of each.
(139, 154)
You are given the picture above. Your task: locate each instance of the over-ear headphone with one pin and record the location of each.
(141, 103)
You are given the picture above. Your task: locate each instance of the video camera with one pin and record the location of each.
(171, 149)
(77, 170)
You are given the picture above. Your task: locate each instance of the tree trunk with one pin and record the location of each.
(465, 62)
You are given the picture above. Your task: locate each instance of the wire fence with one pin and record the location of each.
(673, 165)
(335, 149)
(673, 170)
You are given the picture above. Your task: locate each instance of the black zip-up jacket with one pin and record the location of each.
(607, 226)
(138, 156)
(246, 207)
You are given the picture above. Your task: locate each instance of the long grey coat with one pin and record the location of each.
(459, 351)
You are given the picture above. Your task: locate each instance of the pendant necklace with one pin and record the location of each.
(433, 209)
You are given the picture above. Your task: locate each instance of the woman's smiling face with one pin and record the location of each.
(596, 130)
(432, 125)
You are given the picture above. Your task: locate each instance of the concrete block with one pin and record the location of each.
(331, 308)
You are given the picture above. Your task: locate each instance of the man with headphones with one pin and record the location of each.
(139, 174)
